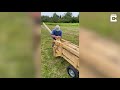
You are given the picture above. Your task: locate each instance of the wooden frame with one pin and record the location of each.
(68, 51)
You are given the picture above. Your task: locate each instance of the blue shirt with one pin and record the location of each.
(56, 33)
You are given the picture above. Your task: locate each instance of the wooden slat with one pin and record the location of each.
(100, 54)
(46, 27)
(72, 58)
(70, 61)
(71, 50)
(72, 46)
(87, 72)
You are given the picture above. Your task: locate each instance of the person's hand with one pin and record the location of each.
(58, 37)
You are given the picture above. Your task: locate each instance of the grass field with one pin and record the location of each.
(100, 23)
(15, 46)
(56, 67)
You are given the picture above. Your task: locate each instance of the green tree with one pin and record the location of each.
(55, 18)
(45, 19)
(67, 18)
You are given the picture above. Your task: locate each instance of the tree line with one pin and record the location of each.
(66, 18)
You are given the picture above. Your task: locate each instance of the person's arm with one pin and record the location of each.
(60, 36)
(52, 34)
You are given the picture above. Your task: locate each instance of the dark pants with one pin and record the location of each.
(53, 42)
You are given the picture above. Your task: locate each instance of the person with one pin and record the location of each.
(36, 18)
(56, 33)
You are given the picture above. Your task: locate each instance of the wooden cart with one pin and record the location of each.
(69, 51)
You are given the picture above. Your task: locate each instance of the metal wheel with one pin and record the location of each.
(72, 72)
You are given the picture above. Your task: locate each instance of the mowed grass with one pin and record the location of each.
(15, 46)
(100, 23)
(56, 67)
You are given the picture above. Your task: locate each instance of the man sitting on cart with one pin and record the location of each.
(56, 33)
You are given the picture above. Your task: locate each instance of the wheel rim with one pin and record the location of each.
(71, 72)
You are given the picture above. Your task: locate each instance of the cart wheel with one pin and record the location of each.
(72, 72)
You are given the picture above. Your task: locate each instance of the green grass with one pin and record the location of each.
(100, 23)
(15, 46)
(64, 24)
(56, 67)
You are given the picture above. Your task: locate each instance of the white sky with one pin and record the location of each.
(58, 13)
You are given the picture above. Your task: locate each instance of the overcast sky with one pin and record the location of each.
(58, 13)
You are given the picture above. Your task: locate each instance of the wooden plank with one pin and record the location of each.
(72, 58)
(100, 54)
(71, 62)
(72, 46)
(103, 47)
(87, 72)
(71, 50)
(47, 27)
(111, 53)
(67, 47)
(100, 63)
